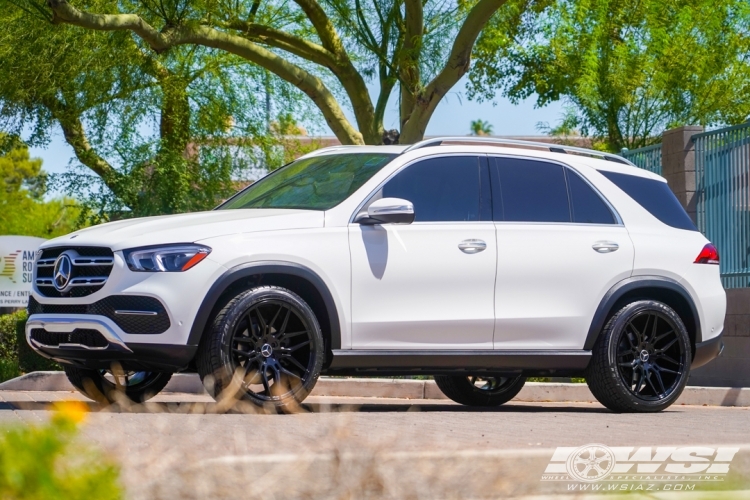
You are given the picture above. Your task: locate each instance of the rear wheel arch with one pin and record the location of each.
(295, 277)
(665, 290)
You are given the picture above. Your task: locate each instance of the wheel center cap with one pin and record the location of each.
(644, 355)
(266, 350)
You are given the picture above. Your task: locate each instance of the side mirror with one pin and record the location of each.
(388, 211)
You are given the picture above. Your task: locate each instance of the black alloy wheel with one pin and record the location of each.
(108, 386)
(641, 360)
(269, 342)
(650, 357)
(480, 390)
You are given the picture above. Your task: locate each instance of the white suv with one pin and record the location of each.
(480, 262)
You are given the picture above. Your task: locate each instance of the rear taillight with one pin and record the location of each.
(709, 255)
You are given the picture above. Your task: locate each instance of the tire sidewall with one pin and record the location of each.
(619, 322)
(104, 391)
(227, 326)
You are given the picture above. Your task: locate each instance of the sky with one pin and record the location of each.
(452, 117)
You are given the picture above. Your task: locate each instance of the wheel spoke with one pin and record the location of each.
(641, 382)
(276, 376)
(290, 335)
(648, 379)
(262, 321)
(289, 350)
(275, 316)
(666, 370)
(246, 354)
(244, 340)
(296, 363)
(290, 373)
(661, 382)
(282, 330)
(665, 357)
(264, 380)
(653, 328)
(630, 335)
(663, 335)
(629, 364)
(253, 375)
(663, 349)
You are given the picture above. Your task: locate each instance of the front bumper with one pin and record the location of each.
(66, 349)
(707, 351)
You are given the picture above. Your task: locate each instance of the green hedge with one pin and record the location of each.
(16, 357)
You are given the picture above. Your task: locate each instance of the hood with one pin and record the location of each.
(187, 228)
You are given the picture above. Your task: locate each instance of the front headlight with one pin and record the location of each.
(168, 258)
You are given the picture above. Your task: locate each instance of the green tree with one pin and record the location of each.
(328, 49)
(627, 70)
(151, 133)
(23, 210)
(481, 127)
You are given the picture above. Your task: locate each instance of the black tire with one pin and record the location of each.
(480, 391)
(100, 385)
(641, 360)
(264, 330)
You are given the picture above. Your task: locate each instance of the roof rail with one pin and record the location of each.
(493, 141)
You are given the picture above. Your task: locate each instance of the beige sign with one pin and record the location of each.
(17, 254)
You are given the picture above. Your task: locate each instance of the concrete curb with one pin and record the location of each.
(404, 389)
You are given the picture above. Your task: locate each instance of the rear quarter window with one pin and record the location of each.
(655, 196)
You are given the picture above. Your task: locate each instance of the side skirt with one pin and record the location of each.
(396, 362)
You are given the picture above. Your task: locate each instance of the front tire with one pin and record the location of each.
(641, 360)
(108, 386)
(265, 346)
(480, 391)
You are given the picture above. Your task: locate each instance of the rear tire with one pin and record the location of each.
(102, 386)
(480, 391)
(641, 360)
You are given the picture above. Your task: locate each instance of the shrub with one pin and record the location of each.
(16, 357)
(41, 463)
(28, 360)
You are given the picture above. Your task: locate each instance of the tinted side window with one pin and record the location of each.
(655, 196)
(441, 189)
(531, 191)
(587, 205)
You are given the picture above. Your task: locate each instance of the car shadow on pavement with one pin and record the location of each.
(201, 408)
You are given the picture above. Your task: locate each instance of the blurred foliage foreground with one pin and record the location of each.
(45, 462)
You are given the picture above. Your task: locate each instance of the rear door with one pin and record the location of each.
(561, 247)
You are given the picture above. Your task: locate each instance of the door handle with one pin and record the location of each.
(605, 246)
(472, 246)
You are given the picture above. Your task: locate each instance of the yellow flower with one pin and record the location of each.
(72, 411)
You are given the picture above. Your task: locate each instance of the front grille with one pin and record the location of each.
(135, 314)
(91, 266)
(80, 336)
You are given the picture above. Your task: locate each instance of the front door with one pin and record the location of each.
(429, 284)
(560, 249)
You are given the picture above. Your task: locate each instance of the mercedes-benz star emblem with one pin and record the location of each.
(644, 355)
(266, 350)
(61, 273)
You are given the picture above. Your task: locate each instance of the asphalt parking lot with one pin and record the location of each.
(177, 446)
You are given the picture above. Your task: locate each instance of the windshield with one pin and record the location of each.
(317, 183)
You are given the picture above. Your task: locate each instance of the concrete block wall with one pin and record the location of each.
(732, 369)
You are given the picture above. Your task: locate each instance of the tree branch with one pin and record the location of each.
(409, 63)
(458, 64)
(75, 136)
(63, 12)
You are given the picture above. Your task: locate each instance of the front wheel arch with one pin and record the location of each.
(295, 277)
